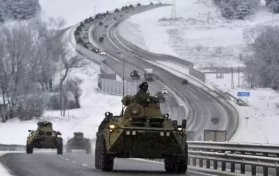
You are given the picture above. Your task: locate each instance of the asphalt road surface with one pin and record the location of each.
(76, 164)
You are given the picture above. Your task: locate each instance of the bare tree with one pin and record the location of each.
(72, 86)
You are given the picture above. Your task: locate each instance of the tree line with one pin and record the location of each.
(33, 56)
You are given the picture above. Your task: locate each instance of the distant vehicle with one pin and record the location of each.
(85, 32)
(96, 50)
(161, 97)
(148, 74)
(164, 90)
(102, 53)
(135, 74)
(184, 82)
(215, 120)
(44, 138)
(78, 142)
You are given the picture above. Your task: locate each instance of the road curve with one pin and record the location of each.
(203, 106)
(171, 105)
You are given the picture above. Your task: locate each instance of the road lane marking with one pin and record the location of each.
(85, 165)
(74, 161)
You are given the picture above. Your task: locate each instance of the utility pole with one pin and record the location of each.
(123, 75)
(238, 85)
(232, 83)
(173, 10)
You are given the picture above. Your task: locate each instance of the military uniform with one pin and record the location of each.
(142, 95)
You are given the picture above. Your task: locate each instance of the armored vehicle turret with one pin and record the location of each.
(141, 131)
(44, 138)
(78, 142)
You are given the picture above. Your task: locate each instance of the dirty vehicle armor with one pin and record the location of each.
(44, 138)
(141, 132)
(78, 142)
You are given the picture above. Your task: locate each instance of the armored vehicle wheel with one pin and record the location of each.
(103, 160)
(60, 147)
(169, 165)
(177, 164)
(88, 148)
(29, 149)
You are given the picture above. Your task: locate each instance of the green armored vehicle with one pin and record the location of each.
(44, 138)
(141, 131)
(78, 142)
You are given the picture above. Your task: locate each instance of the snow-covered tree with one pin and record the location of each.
(242, 9)
(264, 64)
(274, 6)
(237, 8)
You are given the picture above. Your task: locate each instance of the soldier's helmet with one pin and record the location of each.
(144, 86)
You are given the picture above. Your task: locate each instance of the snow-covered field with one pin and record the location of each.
(74, 11)
(199, 35)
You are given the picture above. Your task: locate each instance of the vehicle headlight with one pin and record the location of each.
(179, 129)
(111, 126)
(59, 136)
(135, 111)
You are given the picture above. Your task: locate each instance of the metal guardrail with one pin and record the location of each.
(243, 148)
(6, 147)
(233, 159)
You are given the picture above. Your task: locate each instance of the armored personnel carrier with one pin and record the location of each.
(141, 131)
(78, 142)
(44, 138)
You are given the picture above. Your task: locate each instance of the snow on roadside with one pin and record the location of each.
(262, 114)
(3, 171)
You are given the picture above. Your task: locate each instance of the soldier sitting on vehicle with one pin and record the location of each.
(142, 95)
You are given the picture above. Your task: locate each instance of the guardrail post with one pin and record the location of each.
(232, 167)
(194, 162)
(242, 168)
(215, 163)
(208, 163)
(201, 162)
(265, 171)
(223, 166)
(254, 169)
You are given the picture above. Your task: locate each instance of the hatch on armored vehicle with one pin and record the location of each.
(44, 138)
(140, 128)
(78, 142)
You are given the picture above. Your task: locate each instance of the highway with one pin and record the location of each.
(202, 106)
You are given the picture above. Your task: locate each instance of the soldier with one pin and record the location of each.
(142, 95)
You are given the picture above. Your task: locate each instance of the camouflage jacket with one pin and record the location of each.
(141, 97)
